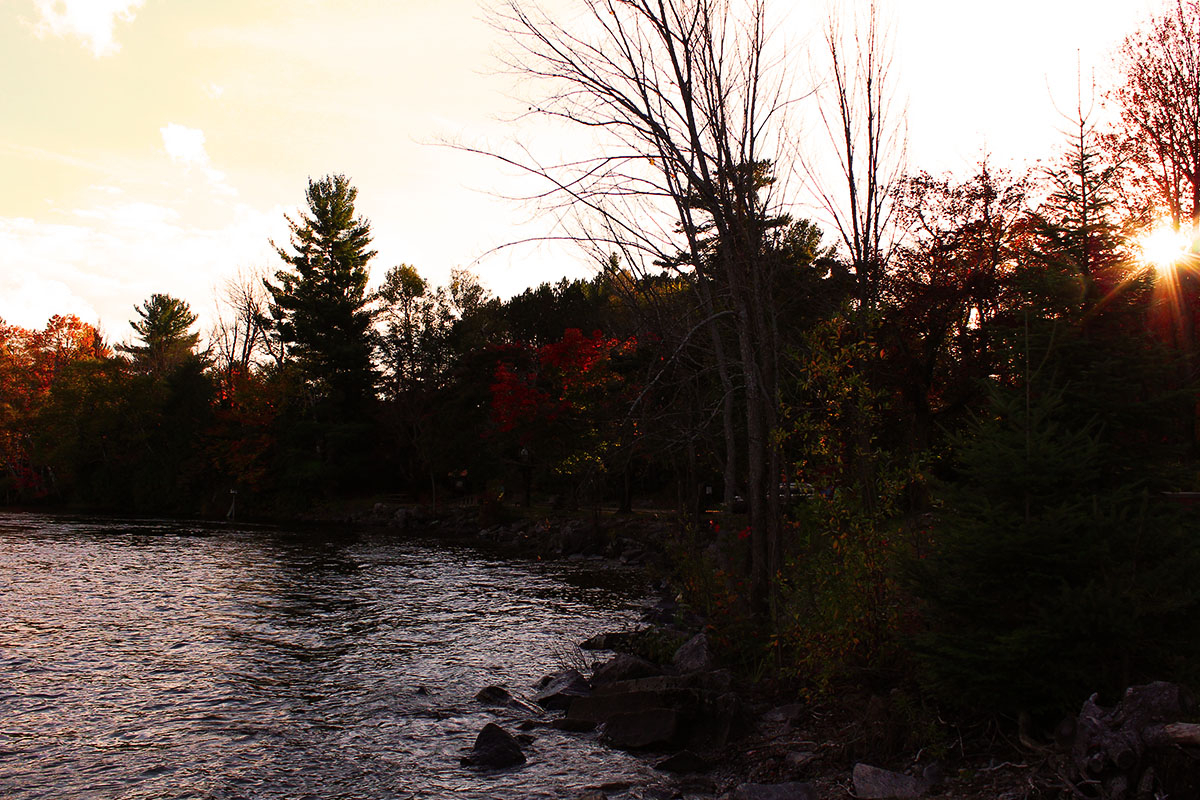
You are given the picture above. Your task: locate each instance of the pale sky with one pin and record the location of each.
(155, 145)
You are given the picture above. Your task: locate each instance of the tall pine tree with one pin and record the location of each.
(319, 307)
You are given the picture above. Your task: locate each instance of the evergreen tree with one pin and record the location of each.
(319, 307)
(164, 330)
(1058, 568)
(1080, 242)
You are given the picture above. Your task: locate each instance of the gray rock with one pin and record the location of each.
(693, 655)
(873, 783)
(784, 715)
(561, 689)
(493, 696)
(655, 727)
(495, 748)
(521, 704)
(799, 759)
(624, 667)
(775, 791)
(597, 642)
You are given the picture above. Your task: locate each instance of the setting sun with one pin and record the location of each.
(1164, 247)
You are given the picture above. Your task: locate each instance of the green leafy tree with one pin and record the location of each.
(416, 322)
(165, 338)
(319, 307)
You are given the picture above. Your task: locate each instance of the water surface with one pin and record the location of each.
(157, 659)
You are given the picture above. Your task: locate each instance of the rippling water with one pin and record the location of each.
(155, 659)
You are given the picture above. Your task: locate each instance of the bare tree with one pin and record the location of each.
(856, 107)
(238, 336)
(688, 105)
(1160, 108)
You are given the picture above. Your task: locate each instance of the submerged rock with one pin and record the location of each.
(495, 748)
(493, 696)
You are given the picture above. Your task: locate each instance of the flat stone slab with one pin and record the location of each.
(561, 689)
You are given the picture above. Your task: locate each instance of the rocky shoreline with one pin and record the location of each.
(657, 690)
(709, 736)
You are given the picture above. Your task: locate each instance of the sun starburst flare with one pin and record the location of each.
(1165, 247)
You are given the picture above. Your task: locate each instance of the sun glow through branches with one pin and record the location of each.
(1165, 248)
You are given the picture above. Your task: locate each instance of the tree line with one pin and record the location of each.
(945, 439)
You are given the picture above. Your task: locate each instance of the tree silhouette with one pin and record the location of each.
(164, 330)
(694, 104)
(1160, 109)
(319, 307)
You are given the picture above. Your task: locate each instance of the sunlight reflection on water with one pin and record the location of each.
(136, 662)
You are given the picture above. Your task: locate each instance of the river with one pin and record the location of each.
(160, 659)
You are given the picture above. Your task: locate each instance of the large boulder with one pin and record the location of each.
(561, 689)
(873, 783)
(693, 655)
(638, 730)
(704, 717)
(495, 748)
(625, 667)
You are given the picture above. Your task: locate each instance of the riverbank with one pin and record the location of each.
(715, 734)
(719, 736)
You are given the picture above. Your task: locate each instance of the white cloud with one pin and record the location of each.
(214, 90)
(90, 20)
(132, 216)
(185, 146)
(108, 258)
